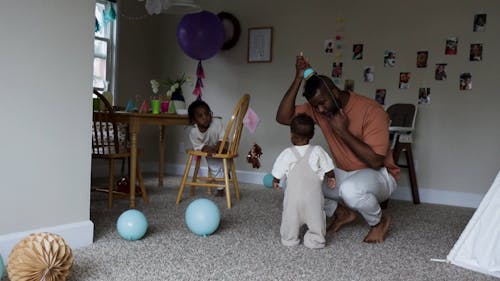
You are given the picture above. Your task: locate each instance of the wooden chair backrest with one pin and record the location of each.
(232, 135)
(105, 139)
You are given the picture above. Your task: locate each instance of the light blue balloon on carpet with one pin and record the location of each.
(132, 225)
(202, 217)
(268, 180)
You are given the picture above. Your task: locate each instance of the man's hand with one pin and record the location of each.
(339, 123)
(301, 64)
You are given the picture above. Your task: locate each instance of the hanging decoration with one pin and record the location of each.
(97, 26)
(251, 120)
(201, 36)
(200, 74)
(155, 7)
(108, 14)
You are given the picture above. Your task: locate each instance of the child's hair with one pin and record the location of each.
(302, 125)
(194, 105)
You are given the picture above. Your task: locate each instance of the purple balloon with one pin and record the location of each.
(200, 35)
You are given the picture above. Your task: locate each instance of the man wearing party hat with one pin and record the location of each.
(356, 130)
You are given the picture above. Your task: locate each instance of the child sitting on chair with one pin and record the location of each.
(206, 136)
(304, 166)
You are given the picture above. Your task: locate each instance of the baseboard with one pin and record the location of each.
(77, 235)
(427, 195)
(442, 197)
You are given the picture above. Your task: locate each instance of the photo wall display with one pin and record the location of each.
(335, 47)
(451, 48)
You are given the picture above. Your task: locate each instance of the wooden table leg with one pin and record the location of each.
(162, 155)
(133, 129)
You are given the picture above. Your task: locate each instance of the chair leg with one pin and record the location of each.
(195, 175)
(413, 176)
(111, 183)
(395, 153)
(210, 179)
(184, 178)
(234, 178)
(141, 184)
(226, 181)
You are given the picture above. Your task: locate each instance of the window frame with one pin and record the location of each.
(110, 51)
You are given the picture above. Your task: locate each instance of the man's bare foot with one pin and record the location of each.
(377, 233)
(343, 215)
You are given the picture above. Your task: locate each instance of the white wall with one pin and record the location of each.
(456, 143)
(45, 73)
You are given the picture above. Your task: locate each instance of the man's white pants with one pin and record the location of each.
(362, 191)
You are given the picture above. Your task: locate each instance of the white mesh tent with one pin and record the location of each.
(478, 247)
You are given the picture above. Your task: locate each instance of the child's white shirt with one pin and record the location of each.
(210, 137)
(319, 161)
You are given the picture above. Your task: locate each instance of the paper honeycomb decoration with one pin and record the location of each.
(40, 256)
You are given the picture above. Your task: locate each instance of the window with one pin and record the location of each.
(104, 46)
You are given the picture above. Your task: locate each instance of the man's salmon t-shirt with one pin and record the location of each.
(368, 122)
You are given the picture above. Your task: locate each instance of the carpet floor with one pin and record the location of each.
(246, 246)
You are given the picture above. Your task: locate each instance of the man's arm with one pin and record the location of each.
(286, 109)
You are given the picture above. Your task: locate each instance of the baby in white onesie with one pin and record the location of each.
(304, 166)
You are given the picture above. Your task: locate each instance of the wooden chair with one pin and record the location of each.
(106, 145)
(231, 141)
(403, 116)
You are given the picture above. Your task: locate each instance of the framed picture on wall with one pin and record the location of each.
(260, 44)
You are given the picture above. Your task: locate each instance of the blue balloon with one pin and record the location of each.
(200, 35)
(202, 217)
(132, 225)
(268, 180)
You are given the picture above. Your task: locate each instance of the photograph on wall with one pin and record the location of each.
(337, 70)
(479, 23)
(357, 51)
(368, 74)
(451, 46)
(389, 58)
(424, 95)
(380, 96)
(440, 73)
(422, 58)
(349, 85)
(476, 52)
(465, 81)
(404, 80)
(328, 46)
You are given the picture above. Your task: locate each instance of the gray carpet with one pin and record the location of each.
(247, 246)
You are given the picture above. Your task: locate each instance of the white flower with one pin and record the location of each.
(155, 86)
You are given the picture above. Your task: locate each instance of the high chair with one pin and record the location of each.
(228, 150)
(403, 116)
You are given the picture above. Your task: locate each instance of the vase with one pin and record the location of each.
(179, 104)
(177, 95)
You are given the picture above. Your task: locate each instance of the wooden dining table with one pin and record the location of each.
(135, 121)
